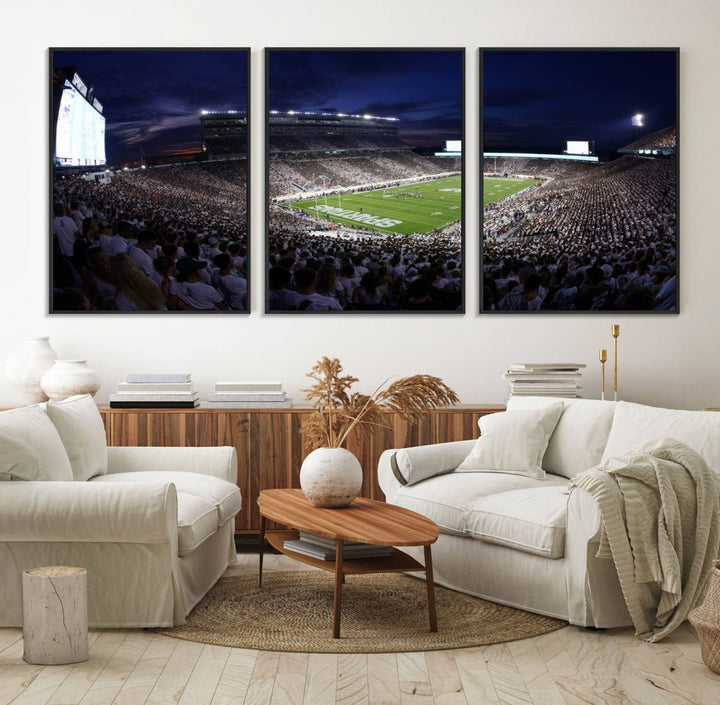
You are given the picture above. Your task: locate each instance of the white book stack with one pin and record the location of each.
(156, 391)
(323, 548)
(247, 395)
(544, 379)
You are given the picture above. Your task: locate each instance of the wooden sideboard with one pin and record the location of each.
(270, 443)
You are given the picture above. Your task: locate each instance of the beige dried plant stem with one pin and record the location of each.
(338, 412)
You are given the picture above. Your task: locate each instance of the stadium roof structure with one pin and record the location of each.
(224, 133)
(663, 142)
(309, 122)
(532, 155)
(312, 114)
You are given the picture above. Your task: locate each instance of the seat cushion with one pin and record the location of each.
(446, 499)
(30, 447)
(532, 520)
(80, 426)
(580, 437)
(223, 495)
(197, 521)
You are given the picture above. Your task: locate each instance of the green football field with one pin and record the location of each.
(393, 210)
(497, 189)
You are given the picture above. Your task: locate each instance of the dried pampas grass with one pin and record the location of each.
(338, 410)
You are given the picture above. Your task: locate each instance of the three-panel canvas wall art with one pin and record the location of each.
(365, 193)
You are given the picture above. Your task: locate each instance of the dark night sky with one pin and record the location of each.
(421, 88)
(153, 99)
(537, 100)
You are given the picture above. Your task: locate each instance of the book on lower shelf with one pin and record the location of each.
(326, 552)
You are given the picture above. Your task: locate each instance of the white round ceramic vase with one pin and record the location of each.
(331, 477)
(25, 366)
(66, 378)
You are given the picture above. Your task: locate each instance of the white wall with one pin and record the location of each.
(666, 360)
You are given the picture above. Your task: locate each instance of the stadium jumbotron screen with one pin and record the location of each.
(580, 172)
(80, 131)
(364, 214)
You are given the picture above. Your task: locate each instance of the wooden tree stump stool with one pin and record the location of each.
(55, 615)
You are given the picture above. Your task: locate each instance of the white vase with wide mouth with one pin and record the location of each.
(27, 364)
(331, 477)
(67, 378)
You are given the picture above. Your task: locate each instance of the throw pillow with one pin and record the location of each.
(80, 426)
(30, 447)
(579, 439)
(513, 442)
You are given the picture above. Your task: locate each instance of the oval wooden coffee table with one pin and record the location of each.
(366, 521)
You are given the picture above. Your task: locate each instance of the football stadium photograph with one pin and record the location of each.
(364, 180)
(580, 173)
(149, 154)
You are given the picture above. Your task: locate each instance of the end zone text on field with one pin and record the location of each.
(410, 208)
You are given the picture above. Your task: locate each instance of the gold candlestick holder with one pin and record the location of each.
(603, 360)
(615, 331)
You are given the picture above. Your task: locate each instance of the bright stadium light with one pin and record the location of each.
(204, 112)
(637, 120)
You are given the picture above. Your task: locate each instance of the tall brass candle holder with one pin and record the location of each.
(615, 330)
(603, 360)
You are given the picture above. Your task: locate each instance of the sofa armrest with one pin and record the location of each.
(406, 466)
(88, 512)
(583, 518)
(219, 462)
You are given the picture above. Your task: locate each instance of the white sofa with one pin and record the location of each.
(529, 542)
(154, 527)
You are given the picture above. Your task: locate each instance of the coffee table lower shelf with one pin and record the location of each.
(396, 562)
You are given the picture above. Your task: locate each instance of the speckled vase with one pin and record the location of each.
(331, 477)
(66, 378)
(25, 366)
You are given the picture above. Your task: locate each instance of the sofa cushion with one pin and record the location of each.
(513, 442)
(580, 437)
(81, 429)
(197, 521)
(634, 424)
(223, 495)
(30, 447)
(532, 520)
(446, 499)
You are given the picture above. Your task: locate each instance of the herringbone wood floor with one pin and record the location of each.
(570, 666)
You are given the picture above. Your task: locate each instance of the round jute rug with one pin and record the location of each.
(380, 613)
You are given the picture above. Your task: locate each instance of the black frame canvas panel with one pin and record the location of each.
(149, 180)
(580, 180)
(365, 174)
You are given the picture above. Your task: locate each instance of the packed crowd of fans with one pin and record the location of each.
(350, 170)
(166, 238)
(604, 238)
(660, 141)
(314, 267)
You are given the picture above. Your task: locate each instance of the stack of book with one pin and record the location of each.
(247, 395)
(155, 391)
(323, 548)
(544, 379)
